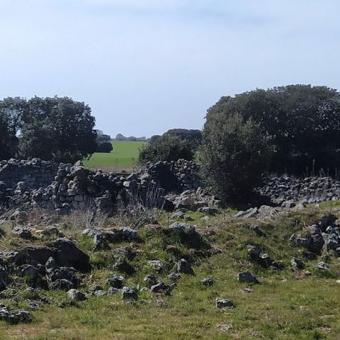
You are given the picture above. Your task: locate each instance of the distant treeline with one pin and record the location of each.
(121, 137)
(292, 129)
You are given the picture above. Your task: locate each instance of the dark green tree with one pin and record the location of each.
(303, 122)
(8, 141)
(11, 111)
(172, 145)
(103, 142)
(234, 155)
(59, 129)
(192, 137)
(166, 148)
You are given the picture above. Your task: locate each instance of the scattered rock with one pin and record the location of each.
(64, 278)
(51, 232)
(187, 234)
(156, 265)
(33, 276)
(116, 281)
(150, 280)
(224, 303)
(208, 281)
(67, 254)
(183, 266)
(247, 277)
(61, 284)
(32, 255)
(262, 259)
(322, 266)
(174, 277)
(75, 295)
(123, 266)
(161, 288)
(23, 232)
(15, 317)
(129, 294)
(297, 264)
(258, 231)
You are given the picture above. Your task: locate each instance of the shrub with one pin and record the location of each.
(191, 137)
(234, 155)
(105, 147)
(166, 148)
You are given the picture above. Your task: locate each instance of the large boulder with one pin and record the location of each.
(32, 255)
(67, 254)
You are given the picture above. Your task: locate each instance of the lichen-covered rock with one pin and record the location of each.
(247, 277)
(129, 294)
(116, 281)
(14, 317)
(75, 295)
(224, 303)
(161, 288)
(67, 254)
(183, 266)
(208, 281)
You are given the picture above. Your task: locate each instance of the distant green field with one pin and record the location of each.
(123, 157)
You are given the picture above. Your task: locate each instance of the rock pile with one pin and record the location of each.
(168, 185)
(289, 190)
(66, 187)
(14, 317)
(323, 236)
(55, 266)
(24, 174)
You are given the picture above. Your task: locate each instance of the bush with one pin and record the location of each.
(166, 148)
(191, 137)
(303, 122)
(103, 142)
(105, 147)
(234, 155)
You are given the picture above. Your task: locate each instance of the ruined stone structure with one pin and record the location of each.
(168, 185)
(64, 187)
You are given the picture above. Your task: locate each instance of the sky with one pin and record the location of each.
(145, 66)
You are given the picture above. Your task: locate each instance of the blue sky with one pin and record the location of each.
(145, 66)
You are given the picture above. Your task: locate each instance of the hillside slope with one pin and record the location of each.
(290, 300)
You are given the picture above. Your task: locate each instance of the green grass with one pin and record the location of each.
(123, 157)
(282, 306)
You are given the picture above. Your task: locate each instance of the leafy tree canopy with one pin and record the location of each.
(303, 122)
(59, 129)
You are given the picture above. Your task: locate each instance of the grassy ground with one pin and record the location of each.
(285, 305)
(123, 157)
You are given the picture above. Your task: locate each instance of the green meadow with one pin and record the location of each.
(124, 156)
(286, 304)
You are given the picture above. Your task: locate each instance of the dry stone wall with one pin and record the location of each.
(64, 187)
(33, 174)
(168, 185)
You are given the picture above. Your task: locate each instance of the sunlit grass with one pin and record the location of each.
(282, 306)
(123, 156)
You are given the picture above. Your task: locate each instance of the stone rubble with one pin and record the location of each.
(65, 187)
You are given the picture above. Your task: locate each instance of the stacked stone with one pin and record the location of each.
(66, 187)
(304, 190)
